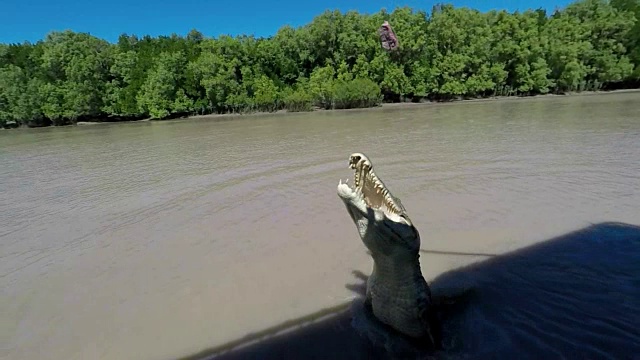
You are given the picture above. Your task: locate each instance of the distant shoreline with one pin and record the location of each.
(383, 105)
(386, 105)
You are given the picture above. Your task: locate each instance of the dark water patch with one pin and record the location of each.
(574, 296)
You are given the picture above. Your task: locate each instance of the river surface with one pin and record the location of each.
(156, 240)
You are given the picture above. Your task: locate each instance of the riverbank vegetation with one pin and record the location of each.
(335, 61)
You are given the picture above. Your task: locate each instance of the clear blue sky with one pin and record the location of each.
(31, 20)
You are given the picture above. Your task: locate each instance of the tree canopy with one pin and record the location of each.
(335, 61)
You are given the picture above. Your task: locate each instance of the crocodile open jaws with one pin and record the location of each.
(397, 293)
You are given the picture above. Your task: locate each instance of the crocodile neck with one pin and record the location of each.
(399, 295)
(398, 277)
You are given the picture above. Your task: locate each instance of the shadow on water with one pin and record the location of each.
(574, 296)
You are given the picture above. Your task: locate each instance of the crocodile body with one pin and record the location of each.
(397, 293)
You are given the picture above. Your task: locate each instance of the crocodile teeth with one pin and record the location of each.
(367, 182)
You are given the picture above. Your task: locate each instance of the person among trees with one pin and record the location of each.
(388, 38)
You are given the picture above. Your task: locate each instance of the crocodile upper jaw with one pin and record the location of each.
(369, 192)
(378, 215)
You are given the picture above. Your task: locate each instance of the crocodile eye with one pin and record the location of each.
(354, 160)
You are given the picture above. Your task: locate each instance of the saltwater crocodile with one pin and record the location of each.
(397, 293)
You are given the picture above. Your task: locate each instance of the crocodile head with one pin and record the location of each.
(383, 223)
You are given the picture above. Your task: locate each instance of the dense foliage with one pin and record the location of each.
(336, 61)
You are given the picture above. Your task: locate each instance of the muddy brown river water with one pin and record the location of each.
(156, 240)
